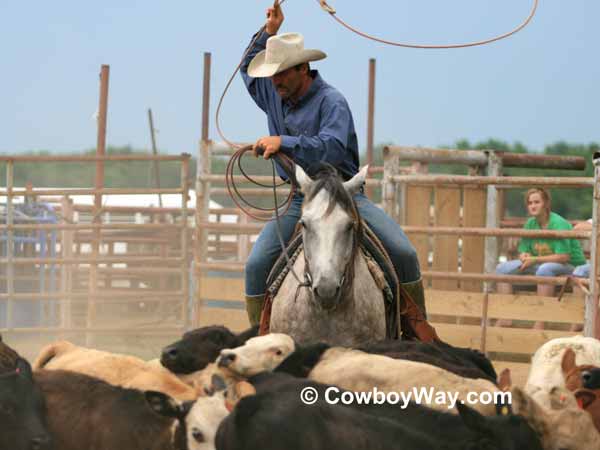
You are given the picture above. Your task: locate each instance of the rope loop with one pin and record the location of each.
(332, 12)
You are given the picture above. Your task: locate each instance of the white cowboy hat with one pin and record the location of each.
(283, 51)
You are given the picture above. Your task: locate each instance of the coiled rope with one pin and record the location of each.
(265, 214)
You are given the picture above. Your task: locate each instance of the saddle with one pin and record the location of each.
(403, 318)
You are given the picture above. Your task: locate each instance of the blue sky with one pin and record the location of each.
(538, 86)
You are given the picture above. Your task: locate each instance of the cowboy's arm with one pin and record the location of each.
(258, 88)
(329, 145)
(261, 88)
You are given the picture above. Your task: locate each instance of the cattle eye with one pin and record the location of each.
(198, 435)
(278, 352)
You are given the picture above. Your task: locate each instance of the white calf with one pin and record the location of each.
(546, 373)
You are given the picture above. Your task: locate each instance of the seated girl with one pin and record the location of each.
(542, 257)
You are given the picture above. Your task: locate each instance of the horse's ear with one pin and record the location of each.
(354, 184)
(303, 180)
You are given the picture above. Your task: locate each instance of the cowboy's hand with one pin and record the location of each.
(274, 18)
(270, 144)
(528, 262)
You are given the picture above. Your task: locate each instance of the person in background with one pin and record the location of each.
(583, 271)
(540, 256)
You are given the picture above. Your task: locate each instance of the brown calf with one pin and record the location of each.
(84, 412)
(584, 382)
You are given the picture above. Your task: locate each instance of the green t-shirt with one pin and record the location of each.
(544, 247)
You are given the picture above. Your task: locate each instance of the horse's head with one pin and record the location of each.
(330, 222)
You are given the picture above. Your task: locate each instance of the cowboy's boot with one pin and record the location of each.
(416, 291)
(254, 306)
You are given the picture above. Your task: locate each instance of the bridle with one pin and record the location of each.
(347, 280)
(289, 167)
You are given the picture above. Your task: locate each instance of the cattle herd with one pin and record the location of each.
(215, 389)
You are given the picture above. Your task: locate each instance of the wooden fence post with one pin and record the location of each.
(491, 219)
(388, 186)
(99, 184)
(491, 243)
(592, 322)
(202, 191)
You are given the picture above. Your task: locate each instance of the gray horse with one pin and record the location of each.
(343, 305)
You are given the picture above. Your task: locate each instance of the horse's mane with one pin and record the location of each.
(326, 177)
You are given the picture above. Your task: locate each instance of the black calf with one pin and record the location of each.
(22, 411)
(200, 347)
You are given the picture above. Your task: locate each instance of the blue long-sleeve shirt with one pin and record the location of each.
(319, 127)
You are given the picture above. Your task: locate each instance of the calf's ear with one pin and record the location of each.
(568, 361)
(163, 404)
(505, 380)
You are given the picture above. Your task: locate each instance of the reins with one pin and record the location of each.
(288, 166)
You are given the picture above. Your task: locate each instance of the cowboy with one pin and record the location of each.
(309, 121)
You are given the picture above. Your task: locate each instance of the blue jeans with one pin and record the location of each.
(549, 269)
(267, 247)
(582, 271)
